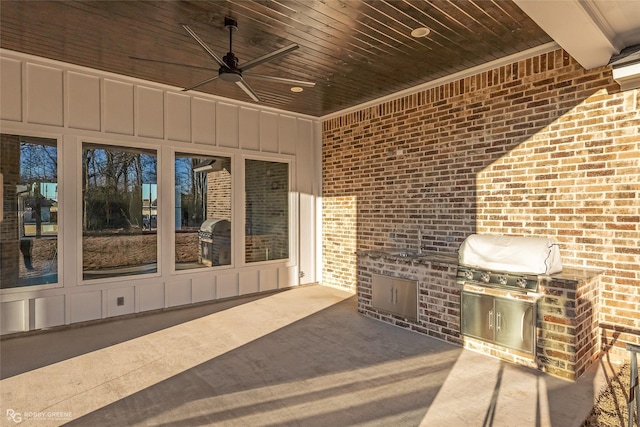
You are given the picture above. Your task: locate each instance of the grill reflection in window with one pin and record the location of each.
(203, 211)
(119, 211)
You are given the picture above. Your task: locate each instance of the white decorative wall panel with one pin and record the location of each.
(269, 132)
(10, 90)
(90, 104)
(84, 101)
(268, 279)
(249, 129)
(49, 312)
(12, 317)
(128, 301)
(178, 117)
(287, 134)
(227, 129)
(150, 297)
(118, 107)
(227, 285)
(150, 112)
(85, 306)
(179, 292)
(248, 282)
(203, 116)
(45, 104)
(203, 288)
(288, 276)
(307, 200)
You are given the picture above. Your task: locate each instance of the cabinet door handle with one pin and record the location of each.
(391, 295)
(396, 294)
(498, 321)
(524, 314)
(490, 319)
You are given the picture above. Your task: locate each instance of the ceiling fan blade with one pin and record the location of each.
(137, 58)
(280, 80)
(269, 56)
(247, 89)
(204, 82)
(204, 46)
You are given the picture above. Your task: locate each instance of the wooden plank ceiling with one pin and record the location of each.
(354, 50)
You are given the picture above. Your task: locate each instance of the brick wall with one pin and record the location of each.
(219, 191)
(9, 238)
(537, 147)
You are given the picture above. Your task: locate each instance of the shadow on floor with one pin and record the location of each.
(97, 335)
(332, 368)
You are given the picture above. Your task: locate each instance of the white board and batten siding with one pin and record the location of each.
(44, 98)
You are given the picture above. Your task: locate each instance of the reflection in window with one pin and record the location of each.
(29, 227)
(267, 210)
(119, 211)
(203, 211)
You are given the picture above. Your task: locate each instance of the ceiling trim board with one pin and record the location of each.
(575, 28)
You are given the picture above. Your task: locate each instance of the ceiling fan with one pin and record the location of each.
(230, 69)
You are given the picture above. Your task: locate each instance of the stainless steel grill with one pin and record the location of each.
(497, 279)
(499, 305)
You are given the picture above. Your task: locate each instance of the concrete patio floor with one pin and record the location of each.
(302, 357)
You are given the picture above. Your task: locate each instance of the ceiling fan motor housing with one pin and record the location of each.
(230, 73)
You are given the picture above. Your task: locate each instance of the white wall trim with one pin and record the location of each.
(146, 83)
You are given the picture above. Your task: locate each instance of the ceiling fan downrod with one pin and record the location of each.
(230, 59)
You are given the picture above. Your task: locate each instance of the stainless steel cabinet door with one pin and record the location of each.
(406, 298)
(477, 316)
(382, 293)
(515, 324)
(396, 296)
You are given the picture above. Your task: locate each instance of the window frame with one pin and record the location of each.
(58, 138)
(124, 144)
(291, 205)
(197, 152)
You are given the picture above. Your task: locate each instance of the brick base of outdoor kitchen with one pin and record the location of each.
(567, 327)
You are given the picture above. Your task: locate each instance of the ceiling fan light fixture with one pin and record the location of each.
(230, 75)
(420, 32)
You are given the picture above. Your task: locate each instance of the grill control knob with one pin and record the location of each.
(502, 280)
(468, 275)
(485, 277)
(522, 282)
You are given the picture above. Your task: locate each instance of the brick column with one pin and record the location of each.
(9, 238)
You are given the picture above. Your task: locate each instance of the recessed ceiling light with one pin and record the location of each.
(296, 89)
(420, 32)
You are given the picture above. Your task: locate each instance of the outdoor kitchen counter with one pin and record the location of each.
(568, 273)
(567, 320)
(426, 257)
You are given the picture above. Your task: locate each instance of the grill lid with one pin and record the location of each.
(515, 254)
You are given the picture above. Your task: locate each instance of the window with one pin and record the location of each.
(29, 227)
(267, 210)
(119, 211)
(203, 211)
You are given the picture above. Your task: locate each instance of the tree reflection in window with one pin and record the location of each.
(119, 211)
